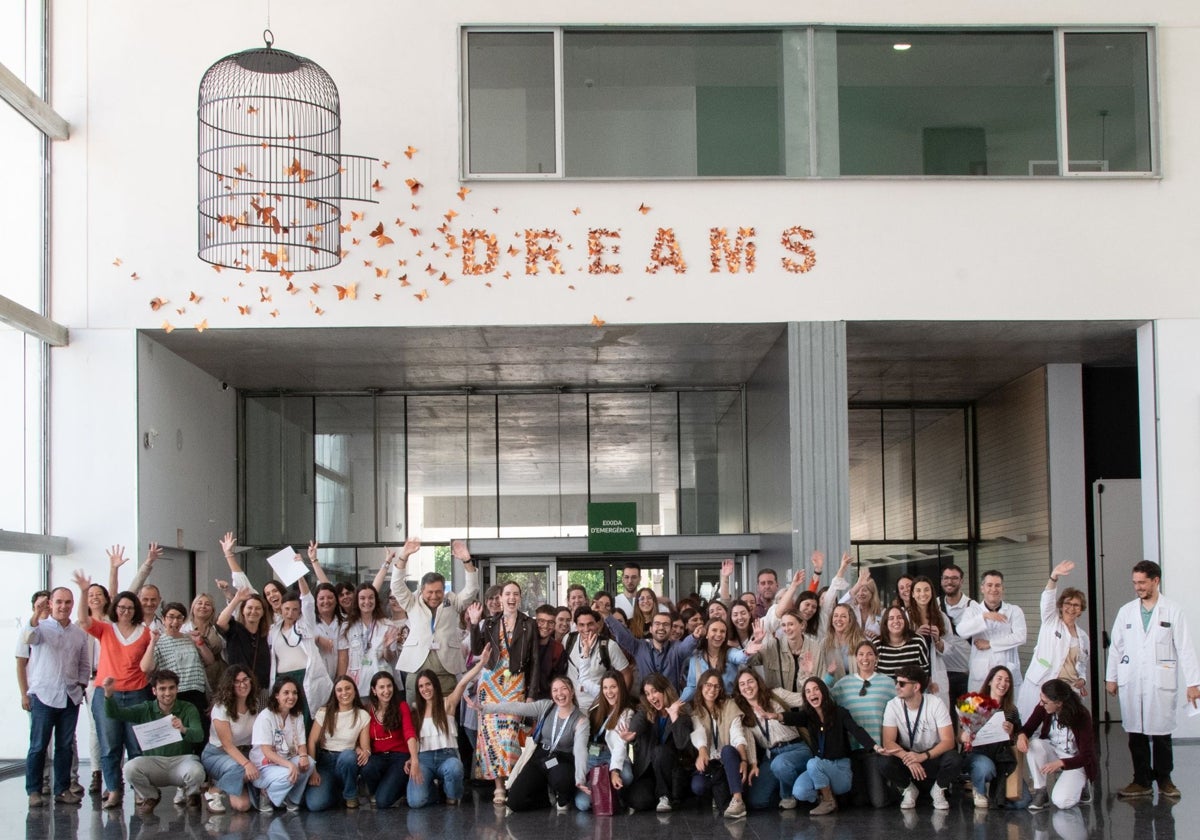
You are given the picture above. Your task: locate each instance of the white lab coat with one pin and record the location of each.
(1053, 645)
(1006, 638)
(1147, 666)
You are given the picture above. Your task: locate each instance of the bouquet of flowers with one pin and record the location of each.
(974, 710)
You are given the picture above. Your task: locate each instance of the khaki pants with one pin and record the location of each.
(148, 773)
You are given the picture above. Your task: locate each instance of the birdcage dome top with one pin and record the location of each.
(269, 72)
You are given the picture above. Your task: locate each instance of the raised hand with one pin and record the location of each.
(312, 551)
(474, 612)
(458, 549)
(864, 576)
(727, 568)
(847, 559)
(228, 542)
(818, 561)
(153, 553)
(116, 556)
(411, 546)
(81, 580)
(1062, 569)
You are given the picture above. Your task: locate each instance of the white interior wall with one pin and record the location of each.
(1172, 447)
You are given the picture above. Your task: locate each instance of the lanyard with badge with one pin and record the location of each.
(913, 726)
(556, 732)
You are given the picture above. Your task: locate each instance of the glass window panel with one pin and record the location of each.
(280, 491)
(21, 235)
(344, 453)
(712, 464)
(866, 475)
(573, 463)
(481, 448)
(1108, 101)
(662, 104)
(340, 564)
(621, 459)
(510, 100)
(534, 582)
(897, 475)
(437, 468)
(953, 103)
(534, 463)
(941, 474)
(391, 470)
(14, 502)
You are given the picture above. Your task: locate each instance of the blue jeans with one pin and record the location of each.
(44, 722)
(777, 775)
(981, 769)
(385, 776)
(823, 773)
(443, 764)
(227, 774)
(339, 780)
(272, 782)
(116, 735)
(583, 802)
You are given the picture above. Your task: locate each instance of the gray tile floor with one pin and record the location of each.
(478, 819)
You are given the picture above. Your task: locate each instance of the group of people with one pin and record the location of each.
(294, 697)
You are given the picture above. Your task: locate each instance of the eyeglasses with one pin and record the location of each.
(124, 608)
(902, 683)
(1075, 605)
(862, 692)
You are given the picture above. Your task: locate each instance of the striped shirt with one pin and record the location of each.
(867, 708)
(180, 654)
(892, 659)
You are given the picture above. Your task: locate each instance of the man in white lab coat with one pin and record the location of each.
(1151, 655)
(996, 630)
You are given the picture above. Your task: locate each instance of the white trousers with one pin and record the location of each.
(1070, 782)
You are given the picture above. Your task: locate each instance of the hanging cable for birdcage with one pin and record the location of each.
(272, 175)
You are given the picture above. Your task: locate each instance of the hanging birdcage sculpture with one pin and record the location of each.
(271, 170)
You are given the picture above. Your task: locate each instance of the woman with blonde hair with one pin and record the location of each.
(839, 644)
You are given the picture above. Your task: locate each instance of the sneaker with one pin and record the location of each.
(560, 808)
(664, 805)
(292, 807)
(981, 801)
(147, 806)
(826, 806)
(180, 797)
(450, 803)
(36, 800)
(216, 804)
(264, 803)
(352, 802)
(938, 794)
(1085, 795)
(1169, 790)
(1041, 800)
(787, 804)
(909, 800)
(1133, 790)
(68, 797)
(736, 810)
(499, 797)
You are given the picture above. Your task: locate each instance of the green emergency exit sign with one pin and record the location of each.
(612, 526)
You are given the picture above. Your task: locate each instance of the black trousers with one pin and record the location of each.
(671, 778)
(528, 791)
(943, 769)
(1153, 758)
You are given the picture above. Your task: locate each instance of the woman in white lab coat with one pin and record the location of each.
(1063, 649)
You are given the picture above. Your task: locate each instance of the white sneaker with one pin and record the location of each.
(909, 800)
(215, 803)
(664, 805)
(981, 801)
(787, 804)
(938, 794)
(179, 799)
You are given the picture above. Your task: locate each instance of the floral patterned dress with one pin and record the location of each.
(498, 745)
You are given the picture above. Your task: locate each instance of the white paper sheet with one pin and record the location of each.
(287, 569)
(156, 733)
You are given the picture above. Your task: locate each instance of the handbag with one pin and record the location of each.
(600, 781)
(1012, 789)
(527, 750)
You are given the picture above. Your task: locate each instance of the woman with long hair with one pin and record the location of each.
(124, 640)
(662, 748)
(786, 749)
(393, 742)
(329, 622)
(741, 624)
(839, 644)
(897, 646)
(1058, 738)
(789, 661)
(831, 728)
(726, 761)
(559, 762)
(929, 625)
(294, 653)
(510, 675)
(863, 598)
(247, 639)
(372, 638)
(438, 758)
(904, 585)
(645, 607)
(201, 625)
(280, 751)
(987, 755)
(183, 653)
(716, 609)
(340, 740)
(608, 743)
(1063, 649)
(225, 757)
(714, 653)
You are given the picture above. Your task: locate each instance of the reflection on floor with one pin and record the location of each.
(478, 819)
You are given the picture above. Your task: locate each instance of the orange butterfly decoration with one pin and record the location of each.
(445, 279)
(378, 295)
(292, 288)
(350, 290)
(415, 206)
(597, 321)
(274, 313)
(243, 310)
(202, 326)
(410, 151)
(430, 270)
(344, 228)
(380, 237)
(134, 276)
(378, 187)
(643, 209)
(241, 169)
(421, 295)
(271, 258)
(264, 294)
(576, 211)
(382, 272)
(298, 171)
(287, 275)
(368, 263)
(462, 193)
(355, 241)
(414, 185)
(404, 280)
(194, 298)
(355, 216)
(180, 310)
(513, 250)
(315, 288)
(386, 163)
(318, 310)
(158, 303)
(117, 262)
(167, 327)
(449, 215)
(250, 109)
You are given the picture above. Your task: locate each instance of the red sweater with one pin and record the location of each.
(385, 740)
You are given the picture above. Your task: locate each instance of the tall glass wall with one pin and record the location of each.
(372, 470)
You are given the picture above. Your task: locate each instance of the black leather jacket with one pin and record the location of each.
(522, 650)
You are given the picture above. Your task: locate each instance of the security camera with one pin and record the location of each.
(224, 386)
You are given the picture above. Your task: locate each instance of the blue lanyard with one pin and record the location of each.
(912, 727)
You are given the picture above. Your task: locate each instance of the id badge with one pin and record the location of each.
(434, 644)
(594, 750)
(551, 763)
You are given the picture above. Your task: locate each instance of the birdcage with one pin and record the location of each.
(272, 175)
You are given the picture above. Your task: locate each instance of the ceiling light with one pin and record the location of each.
(902, 46)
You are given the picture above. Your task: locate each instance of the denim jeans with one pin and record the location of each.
(386, 777)
(441, 764)
(777, 775)
(44, 722)
(273, 782)
(823, 773)
(227, 774)
(981, 769)
(339, 780)
(116, 735)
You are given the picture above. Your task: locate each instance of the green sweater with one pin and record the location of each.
(148, 711)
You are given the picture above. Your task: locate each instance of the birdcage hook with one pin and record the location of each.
(269, 38)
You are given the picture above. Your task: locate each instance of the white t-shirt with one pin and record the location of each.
(345, 733)
(924, 723)
(241, 730)
(286, 735)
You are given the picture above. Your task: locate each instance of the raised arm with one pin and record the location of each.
(456, 695)
(404, 596)
(85, 615)
(725, 593)
(228, 543)
(315, 561)
(783, 601)
(232, 607)
(458, 548)
(143, 572)
(116, 559)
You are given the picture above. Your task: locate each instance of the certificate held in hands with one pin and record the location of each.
(157, 733)
(286, 565)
